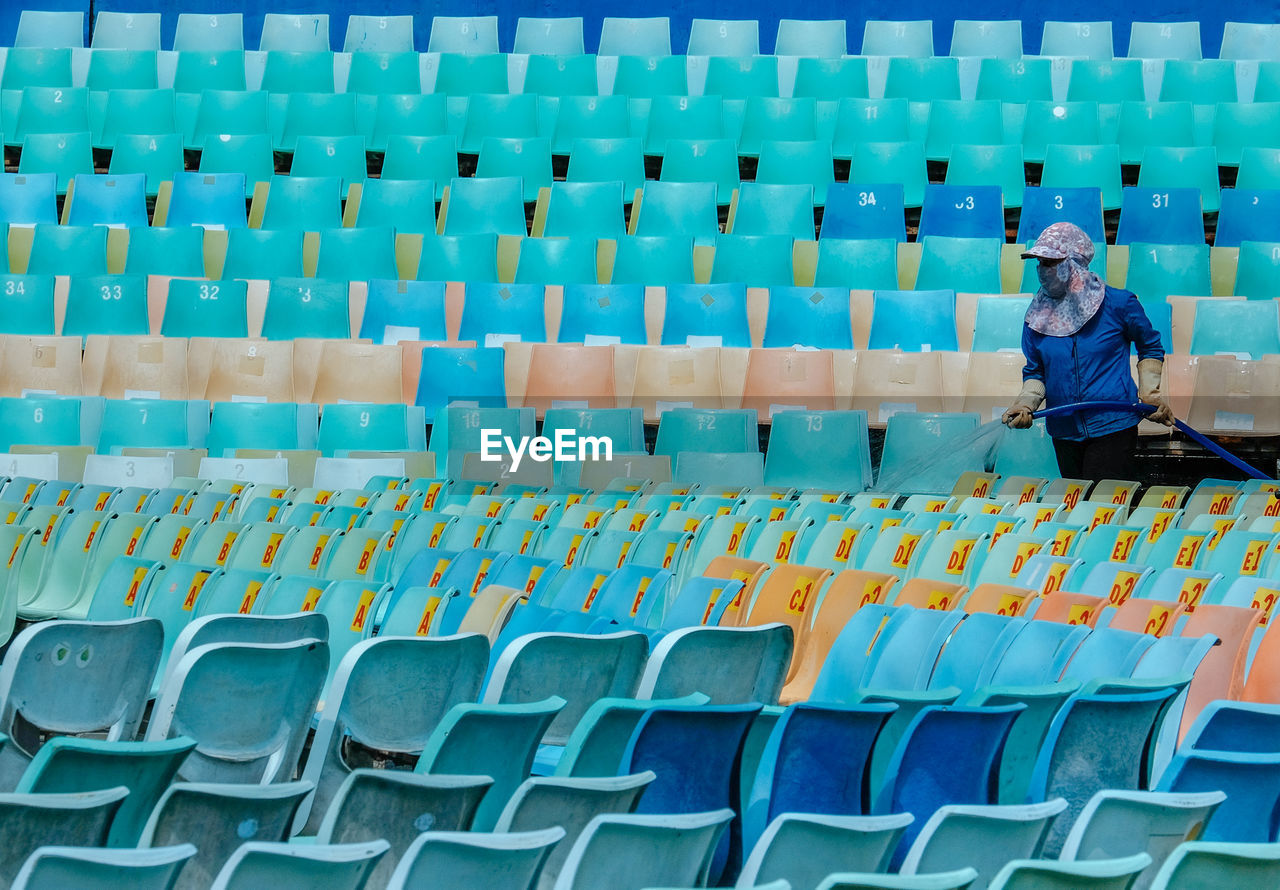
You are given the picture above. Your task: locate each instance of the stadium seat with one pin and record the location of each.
(124, 69)
(585, 116)
(107, 304)
(1237, 125)
(1076, 166)
(1197, 166)
(294, 33)
(1090, 40)
(407, 115)
(325, 156)
(887, 38)
(108, 200)
(526, 159)
(1144, 125)
(378, 34)
(953, 123)
(742, 77)
(915, 321)
(1015, 80)
(981, 165)
(30, 298)
(1108, 80)
(485, 206)
(711, 37)
(407, 206)
(992, 40)
(957, 211)
(602, 311)
(37, 67)
(1158, 270)
(50, 29)
(763, 209)
(1160, 40)
(459, 258)
(1042, 207)
(971, 265)
(697, 314)
(157, 157)
(814, 317)
(205, 309)
(549, 36)
(135, 111)
(384, 73)
(306, 307)
(682, 117)
(1208, 861)
(892, 162)
(981, 837)
(212, 69)
(461, 376)
(608, 160)
(248, 157)
(28, 200)
(832, 79)
(495, 311)
(646, 76)
(592, 209)
(557, 261)
(318, 864)
(803, 163)
(68, 250)
(1257, 276)
(144, 869)
(357, 254)
(66, 154)
(303, 203)
(241, 424)
(998, 324)
(677, 208)
(263, 254)
(754, 260)
(1245, 216)
(410, 158)
(635, 36)
(1162, 215)
(696, 161)
(463, 34)
(766, 118)
(922, 79)
(1205, 82)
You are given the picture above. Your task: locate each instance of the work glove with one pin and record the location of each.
(1018, 416)
(1149, 390)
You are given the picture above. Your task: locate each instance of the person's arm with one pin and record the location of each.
(1032, 395)
(1146, 339)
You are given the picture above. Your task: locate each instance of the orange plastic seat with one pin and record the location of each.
(735, 568)
(1155, 617)
(999, 599)
(924, 593)
(1221, 674)
(787, 595)
(1070, 608)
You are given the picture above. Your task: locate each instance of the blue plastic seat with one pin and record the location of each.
(207, 199)
(29, 199)
(706, 312)
(461, 376)
(602, 311)
(962, 211)
(1161, 216)
(403, 310)
(808, 316)
(915, 320)
(1041, 207)
(1250, 813)
(857, 210)
(491, 311)
(1248, 215)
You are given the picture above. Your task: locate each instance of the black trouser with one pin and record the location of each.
(1106, 457)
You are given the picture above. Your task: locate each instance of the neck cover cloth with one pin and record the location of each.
(1069, 293)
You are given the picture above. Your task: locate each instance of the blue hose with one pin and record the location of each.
(1142, 408)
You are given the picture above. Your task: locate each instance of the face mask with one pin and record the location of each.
(1054, 279)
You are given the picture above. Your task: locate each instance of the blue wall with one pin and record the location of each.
(1032, 15)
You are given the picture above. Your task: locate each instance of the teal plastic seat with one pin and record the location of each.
(635, 36)
(653, 260)
(263, 254)
(384, 73)
(971, 265)
(953, 123)
(459, 258)
(682, 117)
(830, 78)
(608, 160)
(408, 310)
(865, 264)
(588, 116)
(1072, 166)
(57, 820)
(152, 423)
(767, 209)
(158, 157)
(229, 113)
(357, 254)
(701, 161)
(1015, 79)
(751, 663)
(998, 324)
(593, 209)
(48, 110)
(742, 77)
(298, 71)
(135, 111)
(1165, 168)
(247, 157)
(107, 304)
(557, 261)
(72, 765)
(910, 434)
(1201, 863)
(981, 837)
(130, 69)
(528, 160)
(294, 33)
(471, 858)
(212, 69)
(66, 154)
(279, 425)
(50, 29)
(1002, 165)
(1245, 328)
(258, 864)
(206, 309)
(509, 117)
(1158, 270)
(1090, 40)
(649, 76)
(223, 732)
(892, 162)
(815, 39)
(951, 880)
(381, 34)
(37, 67)
(463, 34)
(485, 206)
(766, 118)
(1106, 80)
(900, 38)
(224, 31)
(1098, 873)
(1144, 125)
(797, 163)
(303, 203)
(678, 208)
(1059, 123)
(407, 206)
(549, 36)
(420, 158)
(994, 40)
(1257, 275)
(614, 311)
(1240, 124)
(155, 869)
(30, 298)
(922, 79)
(407, 115)
(803, 849)
(1158, 40)
(315, 114)
(719, 37)
(564, 76)
(754, 260)
(306, 307)
(218, 818)
(330, 156)
(1208, 82)
(822, 450)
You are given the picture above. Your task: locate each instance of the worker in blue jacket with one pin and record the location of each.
(1076, 338)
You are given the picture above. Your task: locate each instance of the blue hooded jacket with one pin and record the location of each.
(1092, 365)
